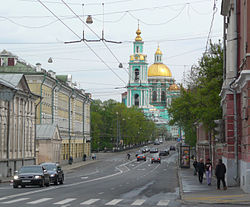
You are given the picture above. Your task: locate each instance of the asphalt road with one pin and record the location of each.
(111, 181)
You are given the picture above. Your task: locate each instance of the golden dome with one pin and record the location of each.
(174, 87)
(159, 69)
(158, 51)
(138, 37)
(141, 57)
(132, 57)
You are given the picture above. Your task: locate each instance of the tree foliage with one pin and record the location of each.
(113, 125)
(200, 102)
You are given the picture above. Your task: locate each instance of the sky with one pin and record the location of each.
(36, 30)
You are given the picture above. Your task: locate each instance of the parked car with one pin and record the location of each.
(153, 150)
(163, 153)
(141, 157)
(172, 148)
(31, 175)
(55, 172)
(156, 158)
(156, 143)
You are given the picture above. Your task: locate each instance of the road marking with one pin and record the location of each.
(138, 202)
(40, 200)
(65, 201)
(113, 202)
(84, 178)
(14, 201)
(100, 193)
(89, 202)
(163, 203)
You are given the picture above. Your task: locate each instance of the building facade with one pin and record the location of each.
(236, 92)
(62, 104)
(151, 88)
(17, 123)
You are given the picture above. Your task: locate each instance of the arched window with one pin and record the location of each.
(137, 49)
(154, 96)
(137, 73)
(136, 100)
(163, 97)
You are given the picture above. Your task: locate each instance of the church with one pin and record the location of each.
(151, 88)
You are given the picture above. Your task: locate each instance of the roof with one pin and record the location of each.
(46, 131)
(11, 80)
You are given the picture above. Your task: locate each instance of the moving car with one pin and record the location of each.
(141, 157)
(156, 143)
(163, 153)
(156, 158)
(153, 150)
(172, 148)
(145, 149)
(55, 172)
(31, 175)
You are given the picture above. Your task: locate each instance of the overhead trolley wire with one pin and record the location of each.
(84, 42)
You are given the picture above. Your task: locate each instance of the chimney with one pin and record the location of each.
(69, 80)
(38, 67)
(52, 74)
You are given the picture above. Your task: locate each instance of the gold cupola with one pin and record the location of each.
(174, 87)
(158, 68)
(138, 37)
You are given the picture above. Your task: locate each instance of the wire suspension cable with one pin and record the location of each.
(84, 42)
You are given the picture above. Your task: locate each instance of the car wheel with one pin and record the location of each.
(56, 181)
(144, 159)
(42, 183)
(23, 186)
(15, 185)
(47, 184)
(137, 160)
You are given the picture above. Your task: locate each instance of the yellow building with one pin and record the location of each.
(62, 105)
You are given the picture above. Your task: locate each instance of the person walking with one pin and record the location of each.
(208, 168)
(220, 172)
(128, 156)
(195, 166)
(201, 170)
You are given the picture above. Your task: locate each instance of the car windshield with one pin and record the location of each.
(50, 167)
(31, 169)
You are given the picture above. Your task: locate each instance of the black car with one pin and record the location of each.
(31, 175)
(172, 148)
(163, 153)
(55, 172)
(156, 143)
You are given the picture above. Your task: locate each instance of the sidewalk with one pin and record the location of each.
(191, 191)
(65, 168)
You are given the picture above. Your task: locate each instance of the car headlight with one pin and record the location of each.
(38, 177)
(16, 177)
(52, 175)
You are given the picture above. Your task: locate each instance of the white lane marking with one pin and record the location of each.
(138, 202)
(100, 193)
(84, 178)
(113, 202)
(163, 203)
(14, 201)
(89, 202)
(68, 200)
(40, 200)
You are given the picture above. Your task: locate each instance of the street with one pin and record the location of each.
(110, 181)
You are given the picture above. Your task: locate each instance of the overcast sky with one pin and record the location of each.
(180, 27)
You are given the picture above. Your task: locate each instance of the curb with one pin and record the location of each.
(180, 183)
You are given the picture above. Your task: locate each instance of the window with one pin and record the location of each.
(136, 100)
(163, 96)
(137, 49)
(11, 61)
(154, 96)
(137, 73)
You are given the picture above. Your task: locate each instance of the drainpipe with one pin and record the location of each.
(83, 122)
(41, 94)
(35, 127)
(69, 107)
(53, 100)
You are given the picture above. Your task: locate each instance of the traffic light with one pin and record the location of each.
(219, 130)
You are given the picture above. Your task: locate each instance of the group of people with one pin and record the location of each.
(201, 169)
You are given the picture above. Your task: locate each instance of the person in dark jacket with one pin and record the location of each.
(220, 172)
(201, 170)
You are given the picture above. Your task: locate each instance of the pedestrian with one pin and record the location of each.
(195, 166)
(208, 168)
(201, 170)
(84, 157)
(220, 172)
(128, 156)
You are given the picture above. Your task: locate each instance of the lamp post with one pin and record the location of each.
(117, 131)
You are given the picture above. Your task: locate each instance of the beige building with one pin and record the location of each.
(62, 104)
(17, 123)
